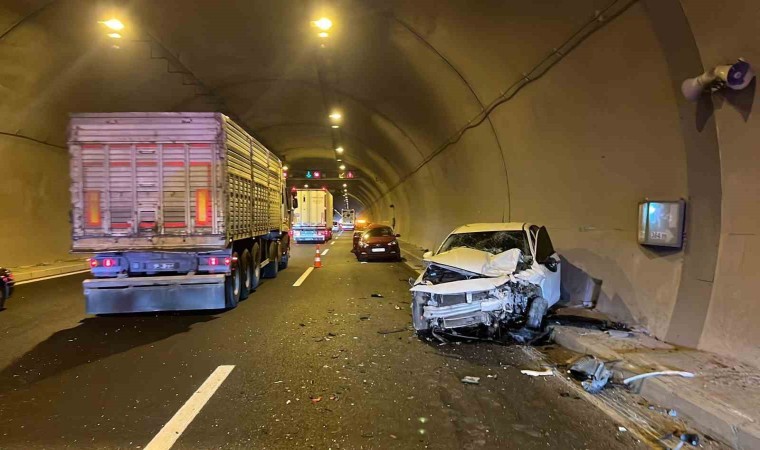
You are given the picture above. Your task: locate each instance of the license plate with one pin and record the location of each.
(378, 250)
(164, 266)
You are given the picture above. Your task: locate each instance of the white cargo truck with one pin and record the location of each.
(312, 216)
(184, 211)
(348, 219)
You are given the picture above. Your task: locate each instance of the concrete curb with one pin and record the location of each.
(711, 416)
(35, 272)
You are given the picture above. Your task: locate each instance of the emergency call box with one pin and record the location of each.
(661, 223)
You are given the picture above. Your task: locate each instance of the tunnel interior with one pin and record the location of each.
(559, 113)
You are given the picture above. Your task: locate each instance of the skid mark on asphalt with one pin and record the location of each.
(179, 422)
(300, 280)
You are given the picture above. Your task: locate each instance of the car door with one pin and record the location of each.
(547, 262)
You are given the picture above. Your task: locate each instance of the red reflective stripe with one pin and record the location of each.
(146, 164)
(120, 225)
(175, 224)
(200, 163)
(121, 164)
(200, 145)
(147, 224)
(174, 164)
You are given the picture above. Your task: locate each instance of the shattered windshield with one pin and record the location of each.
(493, 242)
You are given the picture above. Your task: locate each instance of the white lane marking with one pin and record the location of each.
(333, 242)
(19, 283)
(179, 422)
(324, 252)
(303, 277)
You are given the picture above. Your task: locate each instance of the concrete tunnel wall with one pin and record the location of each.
(575, 149)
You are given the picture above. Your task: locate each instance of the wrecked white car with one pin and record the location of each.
(497, 275)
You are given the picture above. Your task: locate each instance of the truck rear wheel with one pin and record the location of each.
(232, 284)
(246, 272)
(271, 269)
(255, 266)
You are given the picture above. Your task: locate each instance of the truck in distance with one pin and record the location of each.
(184, 211)
(348, 219)
(312, 216)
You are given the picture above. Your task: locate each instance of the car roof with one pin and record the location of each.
(497, 226)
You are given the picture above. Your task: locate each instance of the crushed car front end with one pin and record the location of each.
(448, 297)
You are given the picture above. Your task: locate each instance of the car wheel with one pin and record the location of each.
(536, 313)
(232, 284)
(246, 272)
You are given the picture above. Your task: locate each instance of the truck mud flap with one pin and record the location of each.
(150, 294)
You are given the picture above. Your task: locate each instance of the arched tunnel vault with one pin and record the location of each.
(584, 120)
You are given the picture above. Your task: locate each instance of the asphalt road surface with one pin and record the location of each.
(322, 365)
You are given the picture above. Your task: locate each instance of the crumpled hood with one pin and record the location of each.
(478, 261)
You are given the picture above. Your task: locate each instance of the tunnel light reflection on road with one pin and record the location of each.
(323, 34)
(114, 35)
(342, 167)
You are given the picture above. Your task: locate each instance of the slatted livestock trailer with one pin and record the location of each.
(184, 211)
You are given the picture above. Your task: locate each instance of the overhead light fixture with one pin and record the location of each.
(345, 185)
(114, 35)
(284, 167)
(339, 150)
(336, 116)
(342, 167)
(323, 34)
(323, 23)
(114, 24)
(305, 185)
(336, 126)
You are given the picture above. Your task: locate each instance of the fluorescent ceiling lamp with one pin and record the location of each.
(323, 23)
(114, 24)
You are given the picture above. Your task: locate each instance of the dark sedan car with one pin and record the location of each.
(378, 242)
(6, 285)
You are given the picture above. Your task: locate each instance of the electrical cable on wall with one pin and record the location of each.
(599, 19)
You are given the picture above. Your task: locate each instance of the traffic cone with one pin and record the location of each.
(318, 259)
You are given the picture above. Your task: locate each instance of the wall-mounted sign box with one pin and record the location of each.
(661, 223)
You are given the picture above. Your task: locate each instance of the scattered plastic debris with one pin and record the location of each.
(592, 373)
(619, 334)
(672, 413)
(471, 380)
(316, 399)
(537, 373)
(622, 429)
(377, 295)
(396, 307)
(657, 374)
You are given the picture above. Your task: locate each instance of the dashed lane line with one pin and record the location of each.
(324, 252)
(303, 277)
(174, 428)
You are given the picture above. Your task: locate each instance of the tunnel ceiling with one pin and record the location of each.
(262, 63)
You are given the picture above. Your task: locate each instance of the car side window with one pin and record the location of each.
(544, 247)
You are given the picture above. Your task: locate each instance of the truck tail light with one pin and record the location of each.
(202, 207)
(227, 261)
(93, 263)
(213, 261)
(109, 262)
(92, 208)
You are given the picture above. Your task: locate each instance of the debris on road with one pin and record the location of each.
(377, 295)
(630, 380)
(471, 380)
(619, 334)
(537, 373)
(316, 399)
(592, 372)
(622, 429)
(397, 330)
